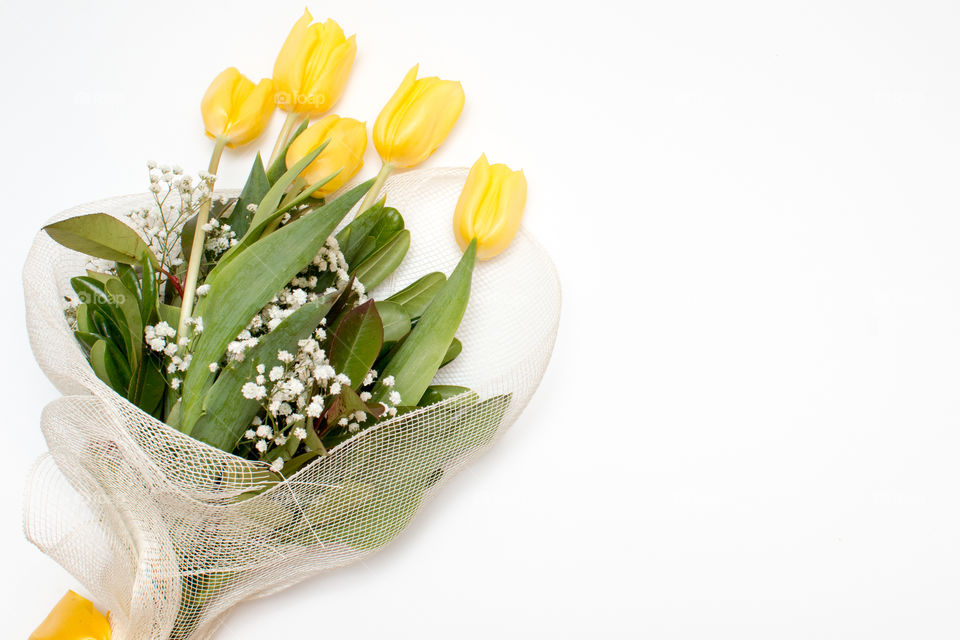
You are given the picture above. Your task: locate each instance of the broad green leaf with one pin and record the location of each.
(99, 276)
(421, 354)
(416, 297)
(253, 192)
(106, 327)
(169, 314)
(356, 341)
(110, 366)
(248, 282)
(425, 444)
(226, 413)
(355, 233)
(129, 306)
(362, 251)
(452, 352)
(83, 318)
(149, 296)
(87, 339)
(389, 224)
(128, 276)
(108, 319)
(384, 261)
(440, 392)
(101, 236)
(279, 166)
(396, 322)
(154, 386)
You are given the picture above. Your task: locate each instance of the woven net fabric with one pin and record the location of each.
(168, 533)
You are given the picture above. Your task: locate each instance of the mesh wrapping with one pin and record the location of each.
(161, 528)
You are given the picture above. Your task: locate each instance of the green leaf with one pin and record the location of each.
(105, 326)
(279, 165)
(83, 318)
(416, 297)
(389, 224)
(129, 306)
(452, 352)
(87, 339)
(396, 322)
(110, 366)
(440, 392)
(149, 294)
(355, 233)
(101, 236)
(169, 314)
(128, 276)
(356, 342)
(253, 192)
(107, 318)
(384, 261)
(247, 283)
(425, 444)
(421, 354)
(226, 413)
(154, 386)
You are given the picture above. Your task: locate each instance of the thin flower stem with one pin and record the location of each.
(196, 249)
(290, 124)
(371, 196)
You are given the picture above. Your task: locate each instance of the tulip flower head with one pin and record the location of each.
(417, 119)
(74, 618)
(235, 109)
(490, 208)
(313, 65)
(344, 151)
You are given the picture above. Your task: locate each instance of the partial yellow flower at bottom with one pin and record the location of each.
(73, 618)
(490, 208)
(344, 151)
(235, 109)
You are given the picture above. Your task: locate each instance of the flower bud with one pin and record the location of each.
(313, 65)
(490, 208)
(417, 119)
(235, 109)
(344, 151)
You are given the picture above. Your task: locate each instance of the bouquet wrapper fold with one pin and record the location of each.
(168, 533)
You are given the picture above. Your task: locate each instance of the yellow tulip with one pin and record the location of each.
(344, 151)
(235, 109)
(312, 66)
(490, 208)
(417, 119)
(74, 618)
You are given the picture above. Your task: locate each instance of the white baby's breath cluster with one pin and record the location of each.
(296, 392)
(176, 198)
(162, 338)
(219, 236)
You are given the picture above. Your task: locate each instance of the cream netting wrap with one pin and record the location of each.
(152, 522)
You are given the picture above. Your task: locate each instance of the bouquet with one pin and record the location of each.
(266, 383)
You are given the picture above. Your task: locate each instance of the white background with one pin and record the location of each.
(750, 425)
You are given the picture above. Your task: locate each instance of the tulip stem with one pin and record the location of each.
(199, 235)
(374, 191)
(289, 125)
